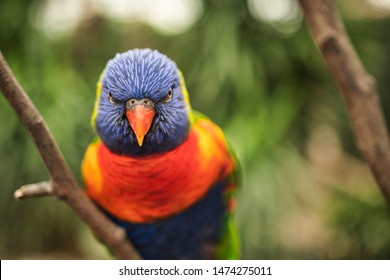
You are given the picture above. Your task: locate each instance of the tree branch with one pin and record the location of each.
(34, 190)
(63, 184)
(357, 87)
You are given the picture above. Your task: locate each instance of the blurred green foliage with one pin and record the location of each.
(305, 192)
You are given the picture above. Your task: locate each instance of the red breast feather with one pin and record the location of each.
(143, 189)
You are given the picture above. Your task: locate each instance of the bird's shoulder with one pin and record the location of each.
(212, 140)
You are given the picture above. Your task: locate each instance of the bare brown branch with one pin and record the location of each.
(40, 189)
(64, 185)
(357, 87)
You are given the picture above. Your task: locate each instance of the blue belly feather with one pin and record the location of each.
(192, 234)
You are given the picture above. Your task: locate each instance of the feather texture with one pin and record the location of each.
(142, 189)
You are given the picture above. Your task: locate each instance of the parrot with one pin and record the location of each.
(162, 171)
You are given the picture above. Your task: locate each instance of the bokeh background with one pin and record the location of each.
(252, 67)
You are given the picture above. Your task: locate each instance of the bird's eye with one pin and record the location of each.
(110, 98)
(169, 95)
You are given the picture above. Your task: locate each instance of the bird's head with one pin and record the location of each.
(142, 104)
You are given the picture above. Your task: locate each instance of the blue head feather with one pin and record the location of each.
(141, 73)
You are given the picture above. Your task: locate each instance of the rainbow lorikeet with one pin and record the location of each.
(159, 169)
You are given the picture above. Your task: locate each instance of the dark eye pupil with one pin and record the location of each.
(169, 95)
(110, 98)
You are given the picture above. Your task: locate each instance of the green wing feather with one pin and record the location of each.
(229, 248)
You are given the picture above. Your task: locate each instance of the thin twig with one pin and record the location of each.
(64, 185)
(40, 189)
(355, 85)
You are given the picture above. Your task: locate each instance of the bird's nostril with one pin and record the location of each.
(144, 101)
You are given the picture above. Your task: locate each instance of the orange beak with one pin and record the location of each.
(140, 117)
